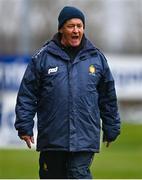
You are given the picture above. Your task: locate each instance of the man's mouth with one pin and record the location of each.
(75, 37)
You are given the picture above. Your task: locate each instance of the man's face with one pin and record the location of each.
(72, 32)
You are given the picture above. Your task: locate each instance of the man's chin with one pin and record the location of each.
(75, 44)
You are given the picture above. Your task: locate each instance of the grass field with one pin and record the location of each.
(122, 160)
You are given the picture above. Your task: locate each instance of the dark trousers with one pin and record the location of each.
(65, 165)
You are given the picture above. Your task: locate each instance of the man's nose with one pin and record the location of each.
(75, 29)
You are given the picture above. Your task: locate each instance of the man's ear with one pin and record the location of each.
(61, 30)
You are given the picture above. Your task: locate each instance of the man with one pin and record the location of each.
(69, 85)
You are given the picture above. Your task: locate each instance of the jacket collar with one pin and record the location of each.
(53, 48)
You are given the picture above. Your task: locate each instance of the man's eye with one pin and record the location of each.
(70, 26)
(73, 26)
(79, 26)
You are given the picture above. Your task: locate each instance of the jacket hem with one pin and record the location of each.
(67, 150)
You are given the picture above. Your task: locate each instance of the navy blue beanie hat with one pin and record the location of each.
(69, 12)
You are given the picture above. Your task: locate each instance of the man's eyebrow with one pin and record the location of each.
(74, 24)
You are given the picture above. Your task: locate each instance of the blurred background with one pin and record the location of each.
(115, 27)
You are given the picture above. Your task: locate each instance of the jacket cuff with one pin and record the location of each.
(22, 133)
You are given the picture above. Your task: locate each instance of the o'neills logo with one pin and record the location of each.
(92, 69)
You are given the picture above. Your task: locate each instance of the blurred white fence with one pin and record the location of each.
(127, 72)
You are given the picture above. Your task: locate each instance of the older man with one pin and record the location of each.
(69, 85)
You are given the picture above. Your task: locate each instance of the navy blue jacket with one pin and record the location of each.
(69, 98)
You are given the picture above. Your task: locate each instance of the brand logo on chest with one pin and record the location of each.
(52, 70)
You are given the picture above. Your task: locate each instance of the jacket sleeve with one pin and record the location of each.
(26, 105)
(108, 104)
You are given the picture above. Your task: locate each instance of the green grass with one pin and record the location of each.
(18, 164)
(122, 160)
